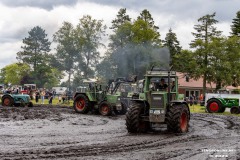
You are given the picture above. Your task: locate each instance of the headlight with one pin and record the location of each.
(118, 99)
(157, 111)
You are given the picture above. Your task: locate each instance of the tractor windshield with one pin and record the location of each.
(162, 84)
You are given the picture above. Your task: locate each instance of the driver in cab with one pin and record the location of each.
(162, 85)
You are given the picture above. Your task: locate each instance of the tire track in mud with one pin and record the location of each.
(79, 150)
(221, 124)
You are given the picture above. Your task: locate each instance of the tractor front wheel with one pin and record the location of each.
(235, 110)
(105, 108)
(214, 106)
(177, 118)
(134, 122)
(7, 101)
(81, 104)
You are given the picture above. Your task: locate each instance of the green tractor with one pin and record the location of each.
(158, 104)
(16, 100)
(124, 90)
(217, 103)
(95, 97)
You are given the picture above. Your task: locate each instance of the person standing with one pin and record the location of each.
(50, 98)
(37, 96)
(43, 93)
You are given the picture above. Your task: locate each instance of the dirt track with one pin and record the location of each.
(59, 133)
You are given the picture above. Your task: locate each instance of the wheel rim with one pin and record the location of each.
(214, 107)
(104, 109)
(183, 122)
(80, 104)
(6, 102)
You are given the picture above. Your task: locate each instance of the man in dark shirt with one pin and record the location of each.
(162, 85)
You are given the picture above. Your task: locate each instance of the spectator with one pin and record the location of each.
(59, 99)
(50, 97)
(63, 98)
(192, 98)
(37, 95)
(43, 95)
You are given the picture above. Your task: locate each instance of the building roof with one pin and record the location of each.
(192, 83)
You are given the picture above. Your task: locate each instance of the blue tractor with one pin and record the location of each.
(16, 100)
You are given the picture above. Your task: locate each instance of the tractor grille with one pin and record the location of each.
(157, 101)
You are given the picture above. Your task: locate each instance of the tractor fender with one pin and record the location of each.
(144, 102)
(217, 99)
(7, 95)
(85, 94)
(177, 102)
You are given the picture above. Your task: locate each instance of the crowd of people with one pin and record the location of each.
(43, 94)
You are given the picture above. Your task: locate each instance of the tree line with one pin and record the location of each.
(134, 46)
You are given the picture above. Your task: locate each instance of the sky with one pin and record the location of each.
(18, 17)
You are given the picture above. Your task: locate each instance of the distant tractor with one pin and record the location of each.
(29, 89)
(124, 90)
(95, 97)
(158, 104)
(217, 103)
(16, 100)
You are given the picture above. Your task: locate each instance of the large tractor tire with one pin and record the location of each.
(134, 122)
(214, 106)
(177, 118)
(105, 108)
(81, 104)
(235, 110)
(7, 100)
(121, 112)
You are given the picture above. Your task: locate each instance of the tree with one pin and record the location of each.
(121, 26)
(132, 45)
(89, 34)
(122, 36)
(106, 69)
(143, 33)
(66, 49)
(173, 45)
(205, 31)
(121, 19)
(15, 72)
(147, 17)
(235, 27)
(36, 48)
(36, 54)
(185, 63)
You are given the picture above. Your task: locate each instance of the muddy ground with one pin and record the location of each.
(50, 132)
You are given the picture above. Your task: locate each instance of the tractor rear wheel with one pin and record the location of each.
(177, 118)
(214, 106)
(235, 110)
(134, 122)
(105, 108)
(121, 112)
(7, 100)
(81, 104)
